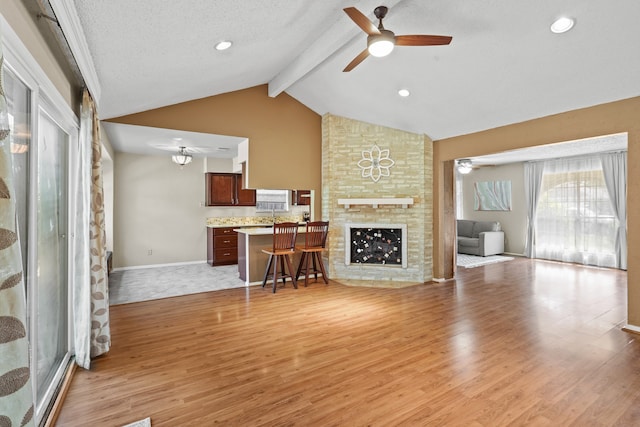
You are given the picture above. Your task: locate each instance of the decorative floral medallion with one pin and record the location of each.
(375, 163)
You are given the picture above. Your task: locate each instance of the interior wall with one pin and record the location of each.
(513, 222)
(604, 119)
(212, 164)
(157, 208)
(285, 144)
(344, 141)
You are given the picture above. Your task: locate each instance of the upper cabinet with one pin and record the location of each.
(244, 197)
(225, 189)
(301, 197)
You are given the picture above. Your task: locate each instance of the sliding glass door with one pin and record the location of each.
(50, 296)
(39, 147)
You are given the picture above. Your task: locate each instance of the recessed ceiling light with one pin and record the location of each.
(404, 92)
(223, 45)
(562, 25)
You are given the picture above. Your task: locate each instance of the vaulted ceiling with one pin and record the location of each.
(503, 66)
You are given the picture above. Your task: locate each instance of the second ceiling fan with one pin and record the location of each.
(380, 41)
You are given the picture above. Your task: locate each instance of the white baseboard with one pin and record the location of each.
(514, 254)
(631, 328)
(173, 264)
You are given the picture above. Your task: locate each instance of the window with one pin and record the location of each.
(575, 221)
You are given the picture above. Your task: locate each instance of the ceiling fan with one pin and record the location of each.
(380, 41)
(465, 166)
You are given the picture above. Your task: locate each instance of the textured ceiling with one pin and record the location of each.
(156, 141)
(503, 65)
(151, 53)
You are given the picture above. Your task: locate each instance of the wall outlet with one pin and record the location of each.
(150, 252)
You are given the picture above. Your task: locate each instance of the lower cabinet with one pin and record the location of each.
(222, 246)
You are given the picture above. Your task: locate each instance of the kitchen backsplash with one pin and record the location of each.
(253, 220)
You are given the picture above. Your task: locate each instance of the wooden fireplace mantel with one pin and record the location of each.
(404, 201)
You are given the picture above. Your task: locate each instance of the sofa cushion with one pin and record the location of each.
(482, 226)
(465, 227)
(468, 242)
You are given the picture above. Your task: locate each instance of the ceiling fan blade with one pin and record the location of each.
(422, 40)
(361, 20)
(358, 59)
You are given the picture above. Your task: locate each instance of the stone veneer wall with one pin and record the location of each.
(343, 141)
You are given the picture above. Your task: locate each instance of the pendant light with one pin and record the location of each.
(182, 158)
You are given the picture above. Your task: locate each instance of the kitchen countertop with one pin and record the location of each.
(261, 231)
(236, 225)
(240, 226)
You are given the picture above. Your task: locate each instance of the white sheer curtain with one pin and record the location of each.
(532, 179)
(459, 194)
(614, 167)
(81, 250)
(574, 220)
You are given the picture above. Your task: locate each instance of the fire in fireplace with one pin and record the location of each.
(376, 244)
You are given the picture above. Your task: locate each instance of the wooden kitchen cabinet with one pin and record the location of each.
(220, 189)
(222, 246)
(301, 197)
(225, 189)
(245, 197)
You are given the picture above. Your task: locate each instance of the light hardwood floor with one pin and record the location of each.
(518, 343)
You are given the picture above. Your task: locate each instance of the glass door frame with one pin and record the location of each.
(43, 404)
(45, 99)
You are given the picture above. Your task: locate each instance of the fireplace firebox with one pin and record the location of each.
(376, 244)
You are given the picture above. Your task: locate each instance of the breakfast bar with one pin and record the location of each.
(252, 262)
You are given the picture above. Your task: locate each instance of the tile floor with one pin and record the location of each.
(145, 284)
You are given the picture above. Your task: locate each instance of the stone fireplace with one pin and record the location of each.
(376, 244)
(401, 197)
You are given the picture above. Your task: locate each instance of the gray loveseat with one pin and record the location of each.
(481, 238)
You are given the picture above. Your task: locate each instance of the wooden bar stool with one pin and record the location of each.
(314, 243)
(284, 244)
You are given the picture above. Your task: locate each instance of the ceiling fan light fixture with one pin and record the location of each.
(562, 25)
(183, 157)
(464, 166)
(380, 45)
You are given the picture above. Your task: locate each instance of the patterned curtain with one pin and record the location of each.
(91, 289)
(100, 330)
(16, 398)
